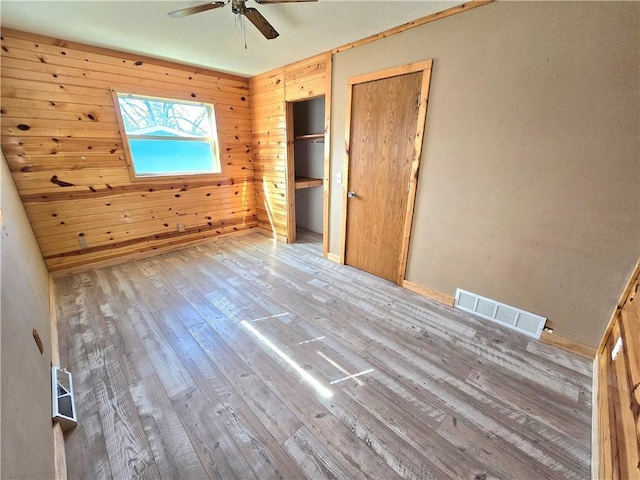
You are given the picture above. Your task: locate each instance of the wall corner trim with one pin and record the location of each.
(618, 307)
(59, 451)
(415, 23)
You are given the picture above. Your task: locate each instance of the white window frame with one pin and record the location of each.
(214, 141)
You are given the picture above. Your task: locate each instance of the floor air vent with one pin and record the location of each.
(525, 322)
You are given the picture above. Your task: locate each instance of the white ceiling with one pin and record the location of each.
(211, 39)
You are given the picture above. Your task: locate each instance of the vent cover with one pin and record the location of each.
(525, 322)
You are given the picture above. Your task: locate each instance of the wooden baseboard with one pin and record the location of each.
(150, 253)
(549, 338)
(429, 293)
(334, 257)
(568, 345)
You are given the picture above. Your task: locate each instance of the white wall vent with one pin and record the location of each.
(525, 322)
(64, 405)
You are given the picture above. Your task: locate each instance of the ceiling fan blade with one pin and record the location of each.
(260, 23)
(266, 2)
(197, 9)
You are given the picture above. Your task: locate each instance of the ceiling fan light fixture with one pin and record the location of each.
(239, 8)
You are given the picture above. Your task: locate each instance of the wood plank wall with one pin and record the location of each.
(64, 148)
(270, 92)
(618, 394)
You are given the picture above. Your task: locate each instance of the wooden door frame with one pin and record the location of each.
(290, 172)
(425, 68)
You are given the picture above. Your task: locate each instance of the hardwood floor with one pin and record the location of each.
(249, 359)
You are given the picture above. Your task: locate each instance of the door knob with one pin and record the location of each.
(351, 194)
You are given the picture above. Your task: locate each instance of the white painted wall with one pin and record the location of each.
(27, 434)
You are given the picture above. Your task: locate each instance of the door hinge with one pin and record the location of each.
(419, 98)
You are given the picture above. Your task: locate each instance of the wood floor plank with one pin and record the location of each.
(219, 455)
(264, 403)
(88, 442)
(393, 448)
(304, 403)
(203, 371)
(486, 333)
(167, 365)
(121, 333)
(150, 473)
(257, 445)
(136, 286)
(243, 358)
(473, 345)
(477, 446)
(445, 461)
(127, 447)
(574, 363)
(487, 338)
(312, 457)
(488, 415)
(175, 456)
(550, 409)
(194, 285)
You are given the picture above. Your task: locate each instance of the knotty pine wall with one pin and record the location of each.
(62, 143)
(269, 150)
(270, 92)
(618, 396)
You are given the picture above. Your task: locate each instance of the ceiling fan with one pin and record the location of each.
(239, 8)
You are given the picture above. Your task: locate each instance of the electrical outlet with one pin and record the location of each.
(180, 227)
(616, 348)
(83, 242)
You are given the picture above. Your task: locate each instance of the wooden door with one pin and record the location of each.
(385, 136)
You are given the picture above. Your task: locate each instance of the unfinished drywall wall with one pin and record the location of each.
(27, 436)
(529, 182)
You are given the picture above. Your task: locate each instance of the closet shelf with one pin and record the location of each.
(319, 137)
(306, 182)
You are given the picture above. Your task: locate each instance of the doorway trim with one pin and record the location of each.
(290, 172)
(425, 68)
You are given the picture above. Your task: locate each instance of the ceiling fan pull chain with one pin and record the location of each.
(244, 29)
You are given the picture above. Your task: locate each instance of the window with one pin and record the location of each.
(169, 137)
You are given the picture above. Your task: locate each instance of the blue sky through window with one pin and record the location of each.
(169, 137)
(171, 156)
